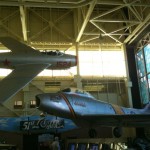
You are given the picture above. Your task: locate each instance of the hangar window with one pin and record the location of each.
(102, 63)
(5, 72)
(95, 63)
(143, 72)
(147, 57)
(18, 104)
(140, 63)
(32, 104)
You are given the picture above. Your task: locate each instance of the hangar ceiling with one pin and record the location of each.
(64, 24)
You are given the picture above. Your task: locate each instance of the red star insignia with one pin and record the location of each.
(6, 62)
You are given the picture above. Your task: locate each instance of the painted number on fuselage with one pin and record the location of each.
(56, 98)
(82, 104)
(63, 64)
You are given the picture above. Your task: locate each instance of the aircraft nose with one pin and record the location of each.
(76, 60)
(42, 102)
(48, 102)
(71, 61)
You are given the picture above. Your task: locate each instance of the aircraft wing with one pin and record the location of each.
(18, 78)
(132, 120)
(16, 46)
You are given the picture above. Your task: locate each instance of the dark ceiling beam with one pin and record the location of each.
(46, 4)
(138, 28)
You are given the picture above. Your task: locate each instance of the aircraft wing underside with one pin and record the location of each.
(136, 120)
(18, 78)
(16, 46)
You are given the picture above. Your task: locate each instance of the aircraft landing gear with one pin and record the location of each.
(117, 132)
(92, 133)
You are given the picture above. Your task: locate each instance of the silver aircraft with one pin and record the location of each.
(86, 111)
(27, 63)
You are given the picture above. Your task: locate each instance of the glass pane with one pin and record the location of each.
(149, 82)
(144, 90)
(140, 64)
(147, 57)
(102, 63)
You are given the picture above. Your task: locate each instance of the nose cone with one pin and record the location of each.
(74, 61)
(64, 61)
(68, 61)
(38, 101)
(48, 103)
(54, 104)
(43, 102)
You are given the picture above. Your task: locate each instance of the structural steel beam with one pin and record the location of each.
(116, 20)
(90, 10)
(135, 36)
(139, 3)
(103, 34)
(23, 22)
(52, 24)
(122, 28)
(46, 4)
(64, 4)
(112, 10)
(137, 29)
(134, 12)
(100, 28)
(90, 39)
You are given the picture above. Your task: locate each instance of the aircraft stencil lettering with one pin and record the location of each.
(63, 64)
(82, 104)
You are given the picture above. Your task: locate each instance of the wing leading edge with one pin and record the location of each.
(18, 78)
(16, 46)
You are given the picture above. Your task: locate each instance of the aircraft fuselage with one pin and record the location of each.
(71, 105)
(11, 60)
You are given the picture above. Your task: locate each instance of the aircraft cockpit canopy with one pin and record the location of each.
(52, 53)
(78, 91)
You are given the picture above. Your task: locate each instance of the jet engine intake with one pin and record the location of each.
(38, 101)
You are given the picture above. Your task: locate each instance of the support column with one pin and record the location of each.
(133, 76)
(77, 77)
(128, 82)
(135, 87)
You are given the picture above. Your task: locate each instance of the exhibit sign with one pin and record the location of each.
(41, 124)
